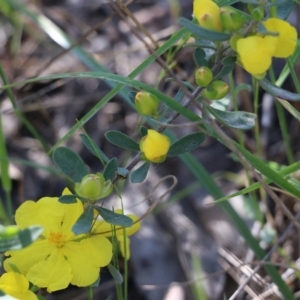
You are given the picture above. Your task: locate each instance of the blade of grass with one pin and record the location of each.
(19, 113)
(208, 183)
(284, 172)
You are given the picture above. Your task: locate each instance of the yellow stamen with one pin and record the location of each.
(56, 238)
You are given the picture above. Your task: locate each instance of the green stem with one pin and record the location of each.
(235, 105)
(256, 128)
(293, 74)
(90, 293)
(283, 125)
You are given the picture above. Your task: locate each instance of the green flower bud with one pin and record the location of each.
(8, 231)
(230, 18)
(217, 90)
(233, 40)
(203, 76)
(93, 187)
(257, 12)
(146, 104)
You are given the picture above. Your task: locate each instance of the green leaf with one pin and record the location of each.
(117, 276)
(268, 172)
(140, 174)
(294, 182)
(204, 33)
(229, 60)
(143, 131)
(187, 143)
(278, 92)
(94, 149)
(235, 119)
(121, 140)
(67, 199)
(70, 163)
(242, 86)
(85, 221)
(179, 95)
(290, 108)
(200, 58)
(131, 96)
(114, 218)
(24, 238)
(224, 71)
(284, 10)
(110, 170)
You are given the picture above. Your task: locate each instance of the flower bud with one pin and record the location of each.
(8, 231)
(217, 90)
(146, 104)
(93, 187)
(154, 146)
(233, 41)
(257, 12)
(203, 76)
(207, 13)
(230, 18)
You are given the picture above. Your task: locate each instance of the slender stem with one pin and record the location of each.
(256, 128)
(235, 104)
(90, 293)
(293, 74)
(283, 125)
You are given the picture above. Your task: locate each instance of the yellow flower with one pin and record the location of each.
(255, 53)
(207, 13)
(286, 39)
(155, 146)
(16, 285)
(58, 257)
(122, 233)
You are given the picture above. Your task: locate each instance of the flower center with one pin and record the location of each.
(56, 238)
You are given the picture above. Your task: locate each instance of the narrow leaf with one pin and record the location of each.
(70, 163)
(295, 113)
(187, 143)
(284, 10)
(121, 140)
(110, 170)
(131, 96)
(200, 58)
(204, 33)
(278, 92)
(117, 276)
(94, 149)
(224, 71)
(85, 221)
(67, 199)
(114, 218)
(140, 174)
(268, 172)
(143, 131)
(235, 119)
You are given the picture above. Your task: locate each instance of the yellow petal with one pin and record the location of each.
(25, 258)
(287, 38)
(86, 257)
(255, 54)
(54, 273)
(124, 243)
(16, 285)
(46, 212)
